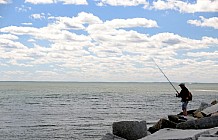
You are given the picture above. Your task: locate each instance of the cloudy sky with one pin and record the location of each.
(109, 40)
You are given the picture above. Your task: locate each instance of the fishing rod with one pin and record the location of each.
(165, 75)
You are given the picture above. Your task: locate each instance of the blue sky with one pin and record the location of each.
(109, 40)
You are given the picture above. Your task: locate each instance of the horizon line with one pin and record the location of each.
(106, 82)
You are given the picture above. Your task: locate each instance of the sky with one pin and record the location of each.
(109, 40)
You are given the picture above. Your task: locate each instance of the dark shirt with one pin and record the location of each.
(184, 94)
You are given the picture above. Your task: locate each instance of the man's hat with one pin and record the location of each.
(182, 84)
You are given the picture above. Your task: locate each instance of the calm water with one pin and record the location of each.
(86, 111)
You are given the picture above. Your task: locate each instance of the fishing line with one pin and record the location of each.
(164, 75)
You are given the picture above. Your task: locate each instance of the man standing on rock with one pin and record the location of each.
(185, 95)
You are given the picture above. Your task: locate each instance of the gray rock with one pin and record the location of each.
(210, 110)
(214, 114)
(130, 130)
(110, 136)
(174, 118)
(162, 123)
(214, 102)
(201, 107)
(202, 123)
(176, 134)
(198, 115)
(207, 138)
(211, 136)
(179, 119)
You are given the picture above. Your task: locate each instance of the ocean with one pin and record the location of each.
(86, 111)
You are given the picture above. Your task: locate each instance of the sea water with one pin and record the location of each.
(86, 111)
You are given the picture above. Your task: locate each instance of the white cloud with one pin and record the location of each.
(203, 22)
(27, 23)
(5, 1)
(46, 73)
(3, 65)
(75, 2)
(23, 8)
(129, 23)
(19, 30)
(40, 1)
(76, 23)
(13, 50)
(31, 40)
(38, 16)
(208, 55)
(186, 7)
(178, 5)
(6, 43)
(15, 72)
(122, 3)
(19, 64)
(8, 36)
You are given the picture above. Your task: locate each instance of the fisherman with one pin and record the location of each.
(185, 95)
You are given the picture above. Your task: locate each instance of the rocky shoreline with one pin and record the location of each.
(200, 124)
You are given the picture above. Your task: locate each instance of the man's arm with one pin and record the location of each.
(178, 94)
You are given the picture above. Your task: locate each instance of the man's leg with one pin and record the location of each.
(185, 112)
(184, 108)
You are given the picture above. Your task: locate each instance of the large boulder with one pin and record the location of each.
(162, 123)
(210, 110)
(174, 118)
(130, 130)
(179, 119)
(110, 136)
(202, 123)
(176, 134)
(214, 114)
(203, 106)
(213, 135)
(198, 115)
